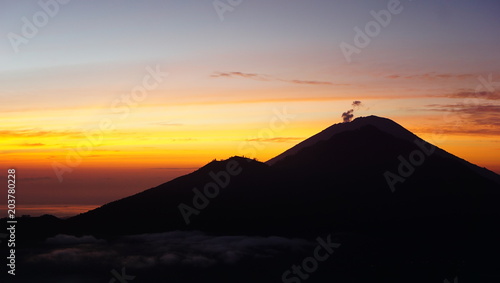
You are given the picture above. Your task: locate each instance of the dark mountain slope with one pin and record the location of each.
(156, 209)
(337, 183)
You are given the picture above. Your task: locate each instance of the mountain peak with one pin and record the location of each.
(383, 124)
(240, 161)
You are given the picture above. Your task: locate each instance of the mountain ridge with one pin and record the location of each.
(330, 176)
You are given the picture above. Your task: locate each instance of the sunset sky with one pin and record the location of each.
(434, 68)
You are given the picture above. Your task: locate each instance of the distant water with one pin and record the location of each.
(61, 211)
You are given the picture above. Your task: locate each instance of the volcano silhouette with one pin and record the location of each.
(347, 176)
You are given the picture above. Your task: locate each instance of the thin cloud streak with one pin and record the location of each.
(480, 119)
(453, 130)
(263, 77)
(168, 124)
(36, 133)
(431, 76)
(479, 95)
(287, 100)
(277, 139)
(31, 144)
(467, 108)
(240, 74)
